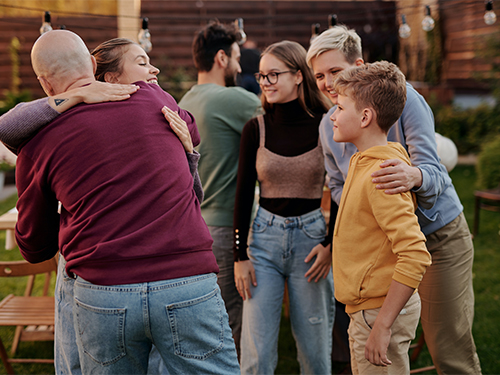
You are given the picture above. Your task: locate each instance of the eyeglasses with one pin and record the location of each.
(272, 77)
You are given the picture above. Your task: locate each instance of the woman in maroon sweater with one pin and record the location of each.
(281, 151)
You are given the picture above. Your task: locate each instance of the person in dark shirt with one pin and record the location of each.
(281, 150)
(126, 225)
(249, 62)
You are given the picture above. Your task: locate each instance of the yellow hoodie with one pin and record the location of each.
(377, 238)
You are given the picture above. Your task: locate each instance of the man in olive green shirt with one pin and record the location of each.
(221, 110)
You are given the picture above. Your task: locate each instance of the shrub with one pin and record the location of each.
(488, 165)
(12, 99)
(468, 128)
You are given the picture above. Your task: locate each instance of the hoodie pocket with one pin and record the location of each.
(363, 285)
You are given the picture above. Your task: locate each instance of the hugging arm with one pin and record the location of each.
(26, 119)
(427, 177)
(23, 121)
(181, 129)
(193, 159)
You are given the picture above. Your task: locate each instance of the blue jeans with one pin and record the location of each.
(184, 318)
(277, 249)
(66, 357)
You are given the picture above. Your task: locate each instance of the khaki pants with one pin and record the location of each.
(403, 331)
(448, 300)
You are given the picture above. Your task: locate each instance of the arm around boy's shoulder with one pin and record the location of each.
(416, 131)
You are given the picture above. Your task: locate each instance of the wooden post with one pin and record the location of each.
(129, 12)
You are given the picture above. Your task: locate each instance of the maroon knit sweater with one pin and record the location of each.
(129, 212)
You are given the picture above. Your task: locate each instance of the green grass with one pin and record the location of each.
(486, 285)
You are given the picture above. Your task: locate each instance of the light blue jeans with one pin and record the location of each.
(184, 318)
(277, 249)
(66, 357)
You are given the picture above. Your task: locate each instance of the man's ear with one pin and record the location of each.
(368, 117)
(359, 61)
(221, 59)
(46, 86)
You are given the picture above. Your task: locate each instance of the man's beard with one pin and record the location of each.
(229, 78)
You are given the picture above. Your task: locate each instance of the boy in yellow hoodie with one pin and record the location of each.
(379, 253)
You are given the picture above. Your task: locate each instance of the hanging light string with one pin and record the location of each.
(409, 10)
(238, 25)
(46, 24)
(428, 22)
(386, 14)
(144, 36)
(489, 16)
(404, 28)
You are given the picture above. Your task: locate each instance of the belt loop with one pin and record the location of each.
(270, 220)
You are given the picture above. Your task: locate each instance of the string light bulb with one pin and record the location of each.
(489, 16)
(238, 24)
(144, 36)
(314, 31)
(404, 29)
(428, 23)
(46, 24)
(332, 20)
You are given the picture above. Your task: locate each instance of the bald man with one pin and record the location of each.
(130, 227)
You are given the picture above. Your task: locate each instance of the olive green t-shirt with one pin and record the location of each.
(220, 113)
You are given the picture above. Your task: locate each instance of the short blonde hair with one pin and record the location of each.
(337, 38)
(380, 86)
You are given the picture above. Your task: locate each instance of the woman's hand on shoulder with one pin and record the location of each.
(244, 274)
(96, 92)
(179, 127)
(99, 92)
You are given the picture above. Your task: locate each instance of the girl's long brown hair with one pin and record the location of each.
(293, 55)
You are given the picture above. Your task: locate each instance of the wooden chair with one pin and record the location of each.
(416, 349)
(486, 200)
(33, 316)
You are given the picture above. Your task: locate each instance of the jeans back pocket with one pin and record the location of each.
(101, 331)
(197, 326)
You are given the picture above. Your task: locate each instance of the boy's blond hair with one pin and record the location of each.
(337, 38)
(380, 86)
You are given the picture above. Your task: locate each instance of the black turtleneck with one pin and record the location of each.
(290, 131)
